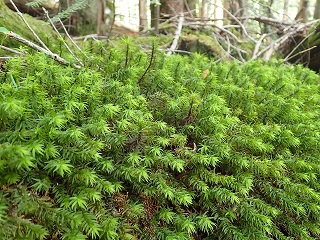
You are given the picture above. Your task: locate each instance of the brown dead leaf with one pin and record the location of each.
(205, 73)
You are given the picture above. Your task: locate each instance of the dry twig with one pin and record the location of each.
(27, 24)
(238, 21)
(11, 50)
(65, 44)
(297, 46)
(68, 35)
(38, 48)
(176, 35)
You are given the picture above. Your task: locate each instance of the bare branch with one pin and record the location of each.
(257, 46)
(11, 50)
(38, 48)
(90, 36)
(25, 21)
(240, 24)
(5, 58)
(269, 50)
(306, 50)
(187, 6)
(65, 44)
(66, 32)
(297, 46)
(177, 35)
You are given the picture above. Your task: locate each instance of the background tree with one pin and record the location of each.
(204, 7)
(171, 7)
(155, 15)
(143, 13)
(303, 12)
(191, 5)
(316, 14)
(285, 10)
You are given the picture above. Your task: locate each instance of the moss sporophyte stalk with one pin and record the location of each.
(194, 150)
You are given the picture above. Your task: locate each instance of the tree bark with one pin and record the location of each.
(243, 7)
(100, 17)
(191, 7)
(226, 5)
(316, 14)
(171, 7)
(155, 17)
(203, 9)
(303, 11)
(285, 10)
(143, 21)
(236, 7)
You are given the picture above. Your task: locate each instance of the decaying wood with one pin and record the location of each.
(275, 46)
(283, 31)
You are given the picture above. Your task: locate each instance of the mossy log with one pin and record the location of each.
(201, 44)
(13, 22)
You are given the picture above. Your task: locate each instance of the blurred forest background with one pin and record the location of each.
(239, 30)
(231, 29)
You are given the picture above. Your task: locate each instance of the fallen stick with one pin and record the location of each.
(29, 27)
(11, 50)
(38, 48)
(176, 35)
(65, 44)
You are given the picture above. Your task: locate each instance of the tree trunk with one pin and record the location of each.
(155, 17)
(226, 6)
(243, 7)
(236, 7)
(171, 7)
(316, 14)
(203, 9)
(100, 17)
(303, 11)
(285, 10)
(143, 13)
(191, 7)
(218, 12)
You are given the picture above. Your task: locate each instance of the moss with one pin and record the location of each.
(12, 21)
(202, 44)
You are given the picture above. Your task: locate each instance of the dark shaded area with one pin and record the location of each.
(308, 50)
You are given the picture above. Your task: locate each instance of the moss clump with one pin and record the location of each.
(195, 150)
(207, 45)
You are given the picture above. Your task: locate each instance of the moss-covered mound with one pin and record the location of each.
(193, 150)
(12, 21)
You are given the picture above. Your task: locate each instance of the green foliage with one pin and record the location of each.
(195, 150)
(76, 6)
